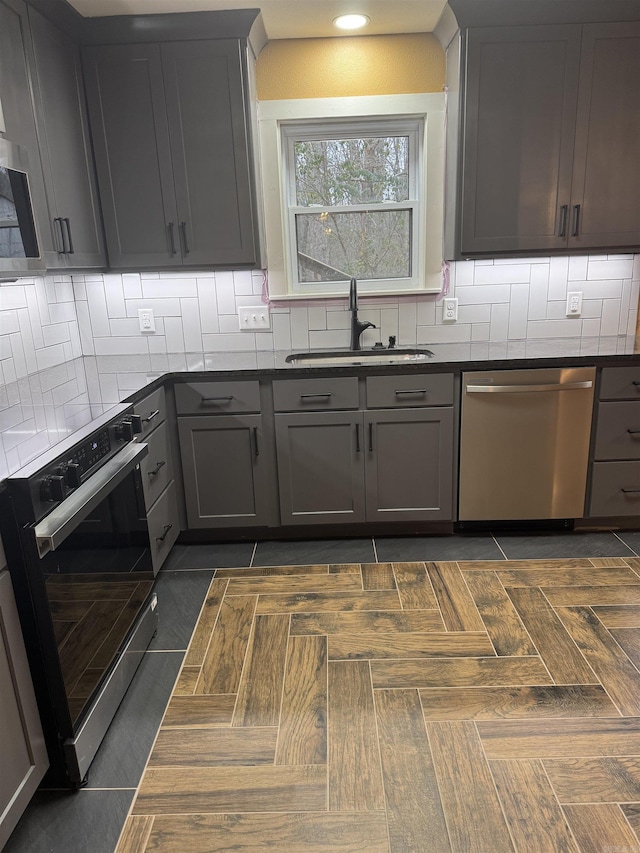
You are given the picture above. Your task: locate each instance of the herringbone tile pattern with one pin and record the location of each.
(406, 707)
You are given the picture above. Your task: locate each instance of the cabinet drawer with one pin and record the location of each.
(307, 395)
(618, 430)
(615, 489)
(426, 389)
(620, 383)
(156, 467)
(152, 410)
(207, 398)
(164, 526)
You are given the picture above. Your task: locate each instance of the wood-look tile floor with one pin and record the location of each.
(404, 707)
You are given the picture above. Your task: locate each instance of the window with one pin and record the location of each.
(353, 187)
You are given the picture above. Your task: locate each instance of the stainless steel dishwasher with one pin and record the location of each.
(524, 443)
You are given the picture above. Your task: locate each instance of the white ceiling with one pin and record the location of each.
(291, 18)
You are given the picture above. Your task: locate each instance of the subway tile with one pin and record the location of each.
(264, 342)
(62, 312)
(160, 307)
(455, 333)
(242, 282)
(407, 323)
(281, 326)
(79, 289)
(124, 328)
(299, 327)
(328, 339)
(610, 317)
(191, 329)
(558, 276)
(578, 267)
(157, 344)
(490, 293)
(12, 296)
(229, 324)
(606, 269)
(538, 291)
(317, 318)
(338, 320)
(114, 295)
(518, 311)
(553, 329)
(225, 293)
(98, 309)
(499, 322)
(426, 312)
(174, 334)
(168, 287)
(605, 289)
(34, 319)
(121, 346)
(591, 328)
(503, 274)
(480, 331)
(132, 285)
(208, 306)
(463, 273)
(239, 342)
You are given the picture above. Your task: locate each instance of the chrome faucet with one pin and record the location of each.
(357, 328)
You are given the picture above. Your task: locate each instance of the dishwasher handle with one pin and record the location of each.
(525, 389)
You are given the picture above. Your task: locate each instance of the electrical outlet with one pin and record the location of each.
(449, 309)
(146, 320)
(574, 304)
(254, 318)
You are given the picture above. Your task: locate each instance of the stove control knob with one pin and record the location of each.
(53, 489)
(72, 474)
(124, 431)
(136, 423)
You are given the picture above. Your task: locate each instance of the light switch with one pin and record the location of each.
(254, 318)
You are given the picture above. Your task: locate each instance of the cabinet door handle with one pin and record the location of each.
(576, 220)
(157, 468)
(636, 382)
(630, 491)
(371, 437)
(564, 212)
(63, 250)
(214, 401)
(311, 396)
(167, 528)
(411, 391)
(357, 438)
(183, 231)
(633, 431)
(172, 239)
(256, 449)
(151, 416)
(68, 224)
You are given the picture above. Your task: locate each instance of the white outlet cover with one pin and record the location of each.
(146, 320)
(449, 309)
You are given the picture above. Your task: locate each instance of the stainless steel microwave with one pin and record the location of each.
(19, 245)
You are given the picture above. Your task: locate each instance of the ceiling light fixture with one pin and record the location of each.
(351, 22)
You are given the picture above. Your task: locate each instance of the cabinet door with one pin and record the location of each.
(209, 145)
(67, 159)
(225, 469)
(320, 467)
(521, 93)
(23, 756)
(133, 157)
(17, 105)
(409, 470)
(606, 172)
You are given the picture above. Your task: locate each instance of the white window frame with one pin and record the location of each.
(374, 114)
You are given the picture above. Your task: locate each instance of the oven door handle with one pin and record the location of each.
(51, 532)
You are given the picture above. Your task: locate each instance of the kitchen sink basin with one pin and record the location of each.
(366, 356)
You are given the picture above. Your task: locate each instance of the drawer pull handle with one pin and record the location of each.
(631, 491)
(71, 250)
(412, 391)
(370, 437)
(564, 210)
(311, 396)
(633, 431)
(256, 449)
(151, 416)
(157, 468)
(357, 438)
(576, 220)
(636, 382)
(214, 401)
(183, 231)
(166, 530)
(172, 239)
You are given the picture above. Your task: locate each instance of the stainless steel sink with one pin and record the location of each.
(367, 356)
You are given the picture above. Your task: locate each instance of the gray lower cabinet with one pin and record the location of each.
(615, 470)
(157, 472)
(171, 139)
(23, 755)
(320, 467)
(225, 465)
(74, 224)
(390, 462)
(551, 135)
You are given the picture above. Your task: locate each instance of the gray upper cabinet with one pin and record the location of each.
(17, 105)
(522, 85)
(605, 194)
(551, 134)
(172, 149)
(74, 223)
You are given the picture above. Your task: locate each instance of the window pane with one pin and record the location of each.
(367, 244)
(333, 172)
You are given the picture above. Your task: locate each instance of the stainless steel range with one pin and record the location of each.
(75, 533)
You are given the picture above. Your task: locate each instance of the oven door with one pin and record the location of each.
(97, 578)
